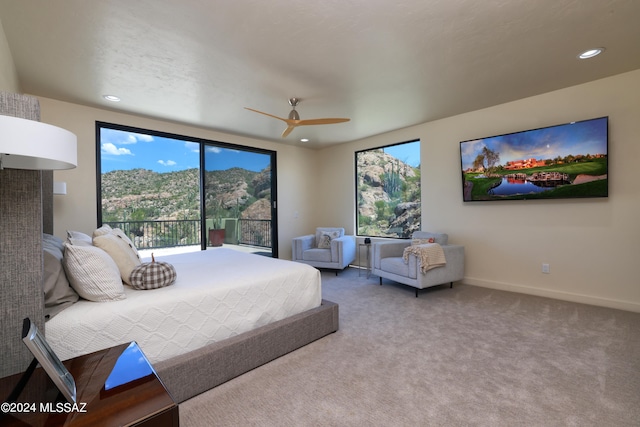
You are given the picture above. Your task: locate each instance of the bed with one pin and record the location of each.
(227, 313)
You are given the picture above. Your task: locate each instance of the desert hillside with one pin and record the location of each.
(141, 194)
(388, 196)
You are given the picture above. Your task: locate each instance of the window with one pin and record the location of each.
(168, 190)
(388, 190)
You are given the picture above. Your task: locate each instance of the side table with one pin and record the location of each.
(367, 249)
(115, 387)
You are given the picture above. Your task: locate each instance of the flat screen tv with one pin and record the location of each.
(555, 162)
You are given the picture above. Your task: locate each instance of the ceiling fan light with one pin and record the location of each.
(304, 140)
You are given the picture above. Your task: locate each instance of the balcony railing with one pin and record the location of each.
(160, 234)
(187, 232)
(255, 232)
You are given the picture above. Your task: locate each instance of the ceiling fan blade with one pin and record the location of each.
(294, 119)
(287, 131)
(267, 114)
(320, 121)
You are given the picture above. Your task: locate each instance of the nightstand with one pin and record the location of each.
(367, 248)
(115, 387)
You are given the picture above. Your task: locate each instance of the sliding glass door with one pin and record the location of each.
(169, 191)
(239, 198)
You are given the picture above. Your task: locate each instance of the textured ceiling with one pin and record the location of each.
(386, 65)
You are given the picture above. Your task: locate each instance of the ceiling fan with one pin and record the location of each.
(294, 118)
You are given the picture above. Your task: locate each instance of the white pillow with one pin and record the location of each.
(78, 235)
(121, 249)
(92, 273)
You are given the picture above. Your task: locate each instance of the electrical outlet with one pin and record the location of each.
(545, 268)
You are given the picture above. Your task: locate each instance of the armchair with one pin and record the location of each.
(388, 262)
(327, 248)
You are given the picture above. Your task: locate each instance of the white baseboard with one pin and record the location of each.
(549, 293)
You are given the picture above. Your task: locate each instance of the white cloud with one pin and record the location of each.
(211, 149)
(109, 148)
(192, 146)
(167, 162)
(134, 138)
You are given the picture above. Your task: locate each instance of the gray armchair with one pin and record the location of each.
(388, 262)
(327, 248)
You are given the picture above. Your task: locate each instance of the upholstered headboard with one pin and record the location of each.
(21, 227)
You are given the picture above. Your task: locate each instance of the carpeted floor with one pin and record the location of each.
(466, 356)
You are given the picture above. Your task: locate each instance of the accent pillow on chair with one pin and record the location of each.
(326, 237)
(332, 232)
(416, 242)
(439, 238)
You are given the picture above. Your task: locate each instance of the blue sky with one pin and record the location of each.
(585, 137)
(408, 153)
(122, 150)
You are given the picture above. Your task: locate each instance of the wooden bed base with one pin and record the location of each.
(200, 370)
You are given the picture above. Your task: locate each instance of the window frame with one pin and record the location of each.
(357, 186)
(203, 143)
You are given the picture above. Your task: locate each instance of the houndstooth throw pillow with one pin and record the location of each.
(152, 275)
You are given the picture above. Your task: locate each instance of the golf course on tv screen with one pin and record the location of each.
(555, 162)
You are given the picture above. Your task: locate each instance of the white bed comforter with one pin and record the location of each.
(218, 293)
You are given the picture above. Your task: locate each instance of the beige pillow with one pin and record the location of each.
(79, 242)
(105, 229)
(92, 273)
(121, 249)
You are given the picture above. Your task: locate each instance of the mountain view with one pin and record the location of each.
(145, 195)
(388, 195)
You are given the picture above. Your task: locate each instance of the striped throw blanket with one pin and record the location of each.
(430, 255)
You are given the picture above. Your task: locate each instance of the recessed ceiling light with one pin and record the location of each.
(304, 140)
(111, 98)
(591, 53)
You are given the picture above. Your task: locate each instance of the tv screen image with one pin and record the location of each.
(555, 162)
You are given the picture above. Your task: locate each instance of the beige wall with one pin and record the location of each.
(78, 209)
(592, 245)
(8, 76)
